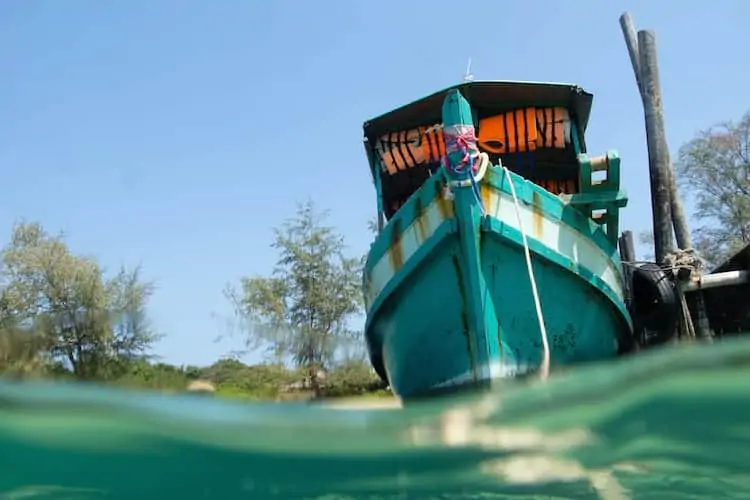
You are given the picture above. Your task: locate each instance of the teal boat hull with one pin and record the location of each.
(446, 312)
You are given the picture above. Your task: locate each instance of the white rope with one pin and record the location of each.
(483, 161)
(544, 369)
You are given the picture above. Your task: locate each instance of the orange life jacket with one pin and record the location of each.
(408, 148)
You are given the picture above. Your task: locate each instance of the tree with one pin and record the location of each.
(715, 168)
(372, 226)
(162, 376)
(21, 352)
(73, 314)
(300, 312)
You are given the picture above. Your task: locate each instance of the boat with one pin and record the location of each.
(496, 254)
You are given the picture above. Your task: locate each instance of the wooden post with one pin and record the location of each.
(658, 155)
(627, 257)
(647, 48)
(631, 41)
(636, 48)
(627, 248)
(666, 203)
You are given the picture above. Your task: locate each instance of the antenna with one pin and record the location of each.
(468, 76)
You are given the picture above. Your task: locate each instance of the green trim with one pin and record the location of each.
(428, 193)
(552, 207)
(420, 256)
(605, 195)
(497, 227)
(379, 194)
(575, 138)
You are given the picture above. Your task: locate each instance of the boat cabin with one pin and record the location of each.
(534, 129)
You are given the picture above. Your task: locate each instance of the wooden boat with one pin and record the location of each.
(497, 247)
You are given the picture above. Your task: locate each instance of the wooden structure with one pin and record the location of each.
(710, 304)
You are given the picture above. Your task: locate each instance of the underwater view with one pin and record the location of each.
(670, 423)
(241, 241)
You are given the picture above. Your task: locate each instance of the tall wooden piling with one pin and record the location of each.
(631, 41)
(627, 255)
(626, 247)
(666, 203)
(658, 155)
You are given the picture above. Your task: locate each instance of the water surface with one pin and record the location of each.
(669, 424)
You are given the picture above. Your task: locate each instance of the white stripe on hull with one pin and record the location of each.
(411, 239)
(555, 235)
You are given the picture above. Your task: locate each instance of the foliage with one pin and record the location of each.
(372, 226)
(62, 318)
(22, 352)
(231, 378)
(353, 377)
(646, 238)
(715, 168)
(235, 379)
(300, 312)
(141, 374)
(58, 307)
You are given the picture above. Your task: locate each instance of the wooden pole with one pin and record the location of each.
(627, 248)
(679, 221)
(658, 155)
(631, 41)
(647, 47)
(676, 211)
(666, 203)
(627, 257)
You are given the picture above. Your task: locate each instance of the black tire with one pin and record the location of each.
(655, 306)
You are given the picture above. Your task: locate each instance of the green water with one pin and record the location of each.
(670, 424)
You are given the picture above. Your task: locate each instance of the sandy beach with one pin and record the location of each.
(363, 403)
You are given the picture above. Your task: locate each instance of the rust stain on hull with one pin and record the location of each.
(420, 219)
(421, 224)
(536, 214)
(395, 251)
(485, 191)
(444, 206)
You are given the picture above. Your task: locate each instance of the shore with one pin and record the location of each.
(360, 403)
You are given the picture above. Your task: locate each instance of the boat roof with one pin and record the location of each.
(496, 96)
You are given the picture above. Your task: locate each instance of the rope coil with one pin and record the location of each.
(461, 139)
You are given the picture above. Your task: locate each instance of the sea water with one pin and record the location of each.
(672, 423)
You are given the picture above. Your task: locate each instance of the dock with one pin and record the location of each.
(705, 305)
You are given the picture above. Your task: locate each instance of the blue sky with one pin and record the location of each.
(176, 134)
